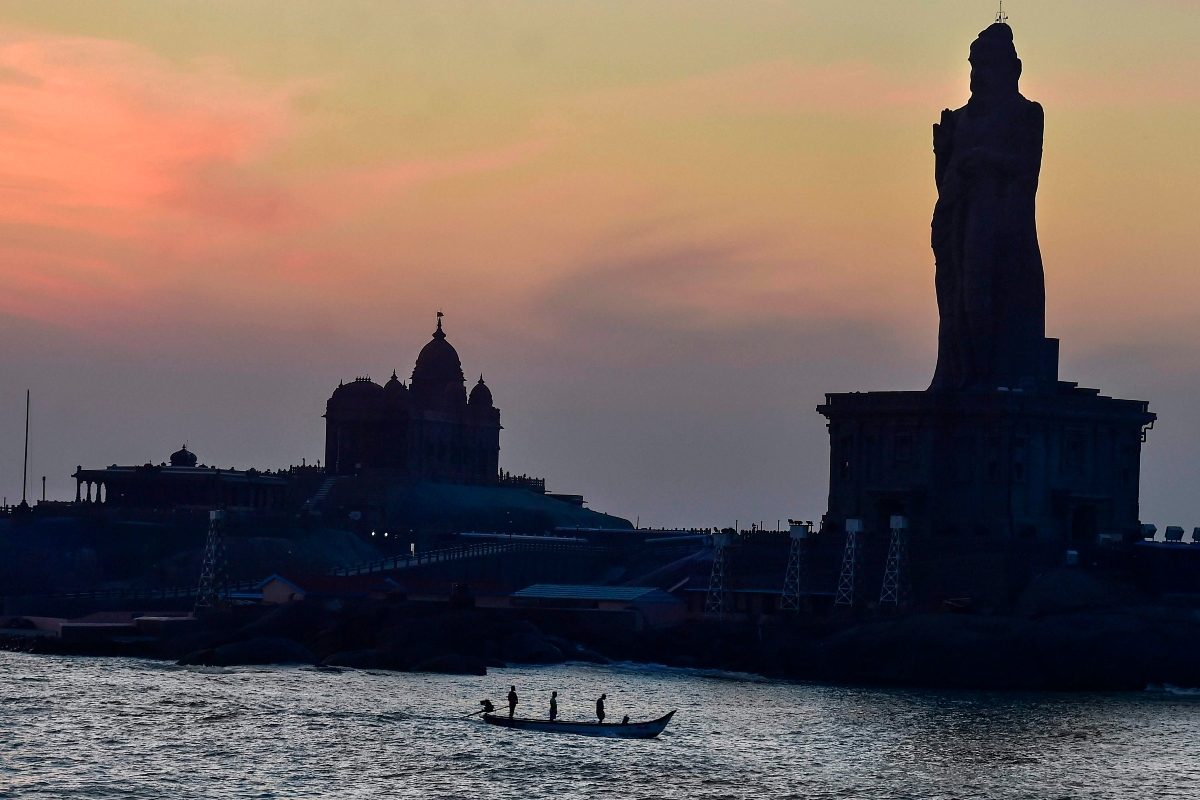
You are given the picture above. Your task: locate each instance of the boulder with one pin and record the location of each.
(452, 664)
(292, 620)
(530, 648)
(581, 653)
(193, 642)
(573, 651)
(262, 650)
(359, 659)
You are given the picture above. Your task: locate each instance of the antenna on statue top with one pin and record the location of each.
(1001, 17)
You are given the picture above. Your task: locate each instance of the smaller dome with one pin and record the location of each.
(394, 391)
(183, 458)
(481, 395)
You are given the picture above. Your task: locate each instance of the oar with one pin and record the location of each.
(476, 713)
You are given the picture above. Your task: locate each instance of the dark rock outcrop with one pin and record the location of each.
(452, 664)
(530, 648)
(358, 659)
(264, 650)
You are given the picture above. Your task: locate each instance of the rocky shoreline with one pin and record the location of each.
(1120, 648)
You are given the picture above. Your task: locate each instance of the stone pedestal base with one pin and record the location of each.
(1058, 467)
(996, 486)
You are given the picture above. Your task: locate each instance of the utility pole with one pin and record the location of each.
(850, 559)
(895, 589)
(794, 577)
(213, 591)
(714, 604)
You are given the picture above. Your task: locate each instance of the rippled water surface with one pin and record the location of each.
(99, 728)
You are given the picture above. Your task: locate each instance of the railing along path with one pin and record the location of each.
(459, 553)
(390, 564)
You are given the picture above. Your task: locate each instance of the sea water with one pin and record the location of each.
(108, 728)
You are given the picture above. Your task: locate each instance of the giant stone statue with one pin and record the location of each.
(990, 287)
(1000, 467)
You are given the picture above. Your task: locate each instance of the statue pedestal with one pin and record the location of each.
(1062, 466)
(992, 471)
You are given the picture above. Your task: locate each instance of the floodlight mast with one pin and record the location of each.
(25, 467)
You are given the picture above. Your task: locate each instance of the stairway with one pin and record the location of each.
(314, 502)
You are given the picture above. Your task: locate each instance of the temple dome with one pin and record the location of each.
(356, 391)
(359, 387)
(394, 391)
(437, 367)
(481, 395)
(183, 458)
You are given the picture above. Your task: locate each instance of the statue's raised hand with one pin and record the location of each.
(943, 132)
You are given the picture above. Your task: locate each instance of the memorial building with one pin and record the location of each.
(429, 429)
(998, 447)
(183, 483)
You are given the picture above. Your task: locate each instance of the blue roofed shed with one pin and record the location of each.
(648, 606)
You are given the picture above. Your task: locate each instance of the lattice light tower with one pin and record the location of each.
(213, 591)
(797, 568)
(850, 564)
(714, 604)
(895, 589)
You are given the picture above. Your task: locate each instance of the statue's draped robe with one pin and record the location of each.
(990, 285)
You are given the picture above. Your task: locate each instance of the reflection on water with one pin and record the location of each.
(80, 727)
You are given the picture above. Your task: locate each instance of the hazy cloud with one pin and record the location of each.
(781, 86)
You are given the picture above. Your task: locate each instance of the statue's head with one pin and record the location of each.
(995, 68)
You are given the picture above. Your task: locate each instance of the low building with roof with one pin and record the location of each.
(635, 607)
(281, 589)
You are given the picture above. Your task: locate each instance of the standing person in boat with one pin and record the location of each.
(600, 708)
(553, 706)
(512, 701)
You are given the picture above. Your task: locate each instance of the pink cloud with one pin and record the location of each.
(106, 147)
(92, 131)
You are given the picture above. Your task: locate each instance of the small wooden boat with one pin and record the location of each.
(612, 730)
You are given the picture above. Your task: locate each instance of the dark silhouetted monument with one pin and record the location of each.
(429, 430)
(998, 449)
(990, 288)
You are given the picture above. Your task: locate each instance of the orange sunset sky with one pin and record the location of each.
(662, 230)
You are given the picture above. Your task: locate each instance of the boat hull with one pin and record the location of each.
(609, 730)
